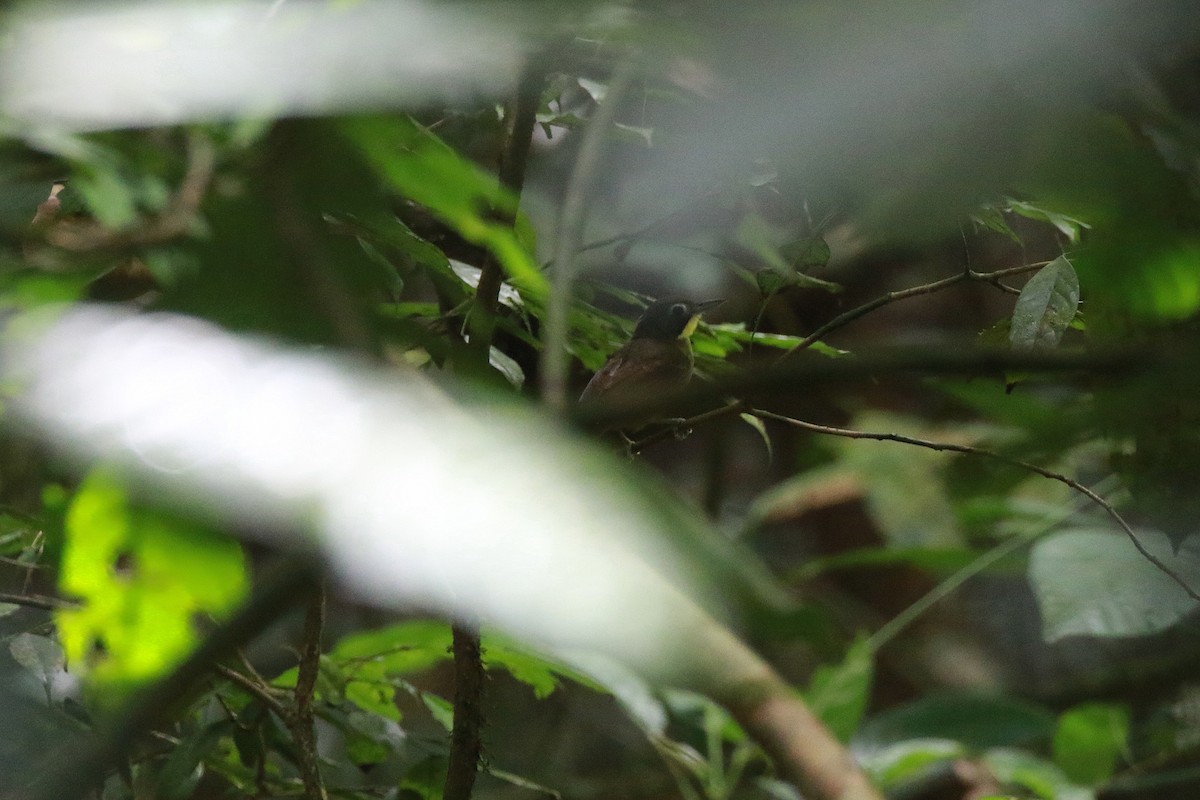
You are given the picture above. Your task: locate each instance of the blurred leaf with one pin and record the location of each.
(839, 692)
(904, 488)
(1038, 775)
(1066, 225)
(39, 655)
(1093, 582)
(977, 721)
(760, 428)
(894, 764)
(1046, 306)
(1089, 741)
(992, 219)
(142, 576)
(425, 170)
(182, 769)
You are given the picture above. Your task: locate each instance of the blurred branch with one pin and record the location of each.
(173, 223)
(775, 716)
(35, 601)
(978, 451)
(554, 361)
(787, 378)
(279, 590)
(841, 320)
(465, 742)
(523, 117)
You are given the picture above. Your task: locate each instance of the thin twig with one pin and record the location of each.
(841, 320)
(978, 451)
(945, 588)
(554, 360)
(36, 601)
(302, 720)
(259, 690)
(733, 407)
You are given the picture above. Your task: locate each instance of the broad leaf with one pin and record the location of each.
(1094, 582)
(1046, 306)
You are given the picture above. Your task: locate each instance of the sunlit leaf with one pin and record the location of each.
(142, 577)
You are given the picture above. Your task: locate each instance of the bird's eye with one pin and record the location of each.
(681, 311)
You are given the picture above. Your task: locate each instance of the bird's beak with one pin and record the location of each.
(695, 320)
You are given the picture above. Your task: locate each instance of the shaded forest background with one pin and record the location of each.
(295, 499)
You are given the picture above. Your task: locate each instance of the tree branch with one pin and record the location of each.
(301, 721)
(841, 320)
(465, 743)
(35, 601)
(978, 451)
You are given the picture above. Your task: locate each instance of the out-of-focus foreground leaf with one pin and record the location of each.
(142, 578)
(412, 499)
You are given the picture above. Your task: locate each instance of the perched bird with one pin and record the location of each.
(658, 356)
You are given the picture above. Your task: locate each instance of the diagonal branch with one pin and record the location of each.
(841, 320)
(978, 451)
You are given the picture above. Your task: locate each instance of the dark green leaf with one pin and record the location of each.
(975, 720)
(839, 692)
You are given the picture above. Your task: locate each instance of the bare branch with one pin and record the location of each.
(978, 451)
(841, 320)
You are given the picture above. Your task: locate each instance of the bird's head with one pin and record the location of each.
(667, 320)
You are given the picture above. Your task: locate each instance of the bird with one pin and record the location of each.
(657, 357)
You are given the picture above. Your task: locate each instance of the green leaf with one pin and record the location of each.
(182, 770)
(1094, 582)
(540, 672)
(420, 167)
(1067, 225)
(977, 721)
(811, 252)
(1039, 776)
(143, 577)
(1089, 740)
(40, 655)
(839, 692)
(1046, 306)
(760, 428)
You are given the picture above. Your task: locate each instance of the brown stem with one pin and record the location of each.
(841, 320)
(977, 451)
(35, 601)
(302, 722)
(465, 742)
(513, 161)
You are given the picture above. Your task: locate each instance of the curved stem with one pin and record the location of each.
(554, 361)
(978, 451)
